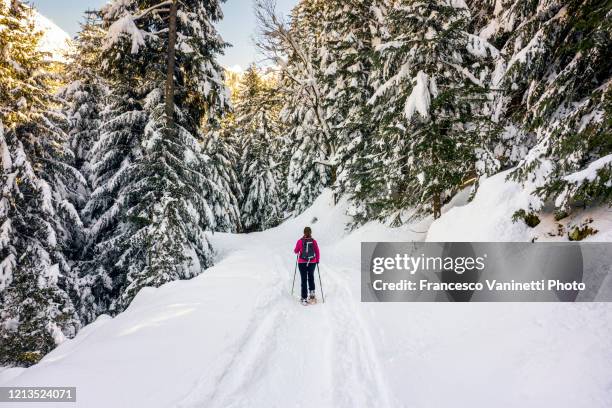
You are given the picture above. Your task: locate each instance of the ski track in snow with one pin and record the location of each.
(358, 363)
(249, 355)
(328, 344)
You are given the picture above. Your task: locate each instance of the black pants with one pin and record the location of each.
(307, 275)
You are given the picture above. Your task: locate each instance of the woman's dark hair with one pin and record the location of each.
(307, 232)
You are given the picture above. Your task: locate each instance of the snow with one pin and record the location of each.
(236, 69)
(125, 25)
(535, 46)
(7, 264)
(478, 47)
(47, 200)
(575, 180)
(56, 333)
(460, 4)
(488, 217)
(403, 73)
(592, 117)
(54, 40)
(431, 33)
(50, 276)
(7, 162)
(11, 324)
(488, 31)
(590, 173)
(419, 99)
(389, 45)
(234, 336)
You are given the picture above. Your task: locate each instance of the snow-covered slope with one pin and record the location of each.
(55, 40)
(488, 217)
(234, 337)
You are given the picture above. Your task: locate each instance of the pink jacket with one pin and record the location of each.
(298, 250)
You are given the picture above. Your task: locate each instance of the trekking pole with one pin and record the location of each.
(320, 283)
(294, 273)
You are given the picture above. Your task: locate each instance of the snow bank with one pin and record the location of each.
(488, 217)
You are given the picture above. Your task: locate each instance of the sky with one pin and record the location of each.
(237, 28)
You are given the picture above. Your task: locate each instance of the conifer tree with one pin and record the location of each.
(348, 30)
(86, 99)
(37, 221)
(150, 206)
(257, 122)
(85, 93)
(555, 83)
(223, 189)
(310, 145)
(363, 174)
(429, 108)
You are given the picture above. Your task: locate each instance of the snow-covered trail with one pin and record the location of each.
(235, 337)
(295, 356)
(291, 355)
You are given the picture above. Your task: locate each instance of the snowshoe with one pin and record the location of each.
(305, 302)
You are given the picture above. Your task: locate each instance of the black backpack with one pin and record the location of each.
(308, 251)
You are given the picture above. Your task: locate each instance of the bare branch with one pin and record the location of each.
(271, 38)
(279, 43)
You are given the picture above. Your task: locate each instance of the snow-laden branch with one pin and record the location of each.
(420, 98)
(591, 172)
(150, 9)
(127, 25)
(466, 74)
(327, 163)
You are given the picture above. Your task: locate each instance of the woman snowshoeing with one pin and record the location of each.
(308, 258)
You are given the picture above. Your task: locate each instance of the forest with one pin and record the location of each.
(118, 163)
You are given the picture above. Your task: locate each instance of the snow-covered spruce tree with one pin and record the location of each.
(224, 191)
(85, 93)
(221, 147)
(114, 158)
(363, 172)
(429, 107)
(149, 209)
(85, 96)
(309, 145)
(308, 171)
(257, 122)
(346, 64)
(556, 90)
(509, 25)
(37, 221)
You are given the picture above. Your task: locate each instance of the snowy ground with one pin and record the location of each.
(234, 337)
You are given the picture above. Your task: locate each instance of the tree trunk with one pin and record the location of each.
(437, 206)
(171, 65)
(332, 181)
